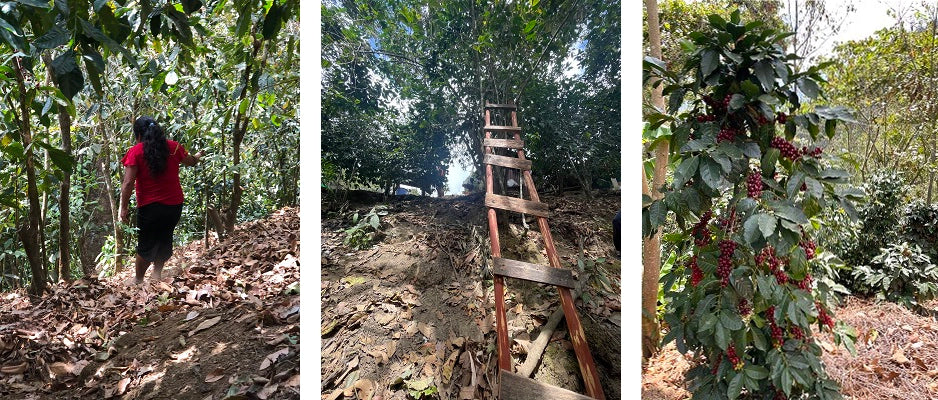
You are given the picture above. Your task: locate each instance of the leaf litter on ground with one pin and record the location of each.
(82, 339)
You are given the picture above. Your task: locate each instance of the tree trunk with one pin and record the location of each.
(105, 167)
(29, 231)
(65, 126)
(240, 128)
(651, 247)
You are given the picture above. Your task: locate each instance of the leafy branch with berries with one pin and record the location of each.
(743, 195)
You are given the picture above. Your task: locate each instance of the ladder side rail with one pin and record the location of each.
(575, 328)
(501, 323)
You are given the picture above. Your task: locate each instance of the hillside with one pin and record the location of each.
(412, 312)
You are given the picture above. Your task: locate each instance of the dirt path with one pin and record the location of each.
(413, 314)
(897, 357)
(223, 322)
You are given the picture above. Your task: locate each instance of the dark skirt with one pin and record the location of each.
(156, 222)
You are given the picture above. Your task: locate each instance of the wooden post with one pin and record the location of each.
(577, 336)
(501, 323)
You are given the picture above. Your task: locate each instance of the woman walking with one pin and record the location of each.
(151, 166)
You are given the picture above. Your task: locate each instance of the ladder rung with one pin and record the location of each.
(534, 272)
(516, 205)
(505, 161)
(513, 386)
(506, 143)
(503, 128)
(505, 106)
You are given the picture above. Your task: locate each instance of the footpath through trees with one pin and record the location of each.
(223, 322)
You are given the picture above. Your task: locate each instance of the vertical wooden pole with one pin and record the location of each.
(501, 324)
(577, 336)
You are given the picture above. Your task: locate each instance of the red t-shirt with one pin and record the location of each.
(163, 189)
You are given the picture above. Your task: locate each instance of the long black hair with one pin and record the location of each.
(155, 148)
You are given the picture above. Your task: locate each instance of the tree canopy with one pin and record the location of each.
(404, 84)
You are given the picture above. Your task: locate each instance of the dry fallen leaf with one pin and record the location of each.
(205, 325)
(364, 388)
(273, 357)
(448, 366)
(268, 390)
(191, 315)
(14, 369)
(122, 386)
(899, 357)
(215, 375)
(293, 381)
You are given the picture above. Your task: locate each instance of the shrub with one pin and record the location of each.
(920, 227)
(366, 230)
(743, 194)
(900, 273)
(879, 217)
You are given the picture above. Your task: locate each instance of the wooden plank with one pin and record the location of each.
(580, 347)
(506, 143)
(534, 272)
(502, 128)
(505, 161)
(512, 386)
(516, 205)
(504, 106)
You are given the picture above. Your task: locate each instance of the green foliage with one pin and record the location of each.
(404, 82)
(743, 196)
(880, 217)
(181, 63)
(920, 227)
(888, 78)
(900, 273)
(365, 229)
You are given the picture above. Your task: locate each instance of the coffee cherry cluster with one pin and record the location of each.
(779, 395)
(815, 152)
(805, 284)
(716, 364)
(777, 334)
(728, 223)
(696, 274)
(754, 184)
(701, 231)
(781, 118)
(768, 258)
(822, 316)
(706, 118)
(809, 248)
(796, 333)
(733, 358)
(725, 262)
(744, 308)
(726, 135)
(762, 120)
(787, 149)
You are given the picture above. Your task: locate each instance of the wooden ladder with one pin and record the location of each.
(510, 384)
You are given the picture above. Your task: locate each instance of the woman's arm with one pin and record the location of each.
(191, 159)
(127, 187)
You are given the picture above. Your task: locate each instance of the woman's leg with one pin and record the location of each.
(141, 268)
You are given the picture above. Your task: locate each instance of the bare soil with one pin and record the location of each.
(413, 314)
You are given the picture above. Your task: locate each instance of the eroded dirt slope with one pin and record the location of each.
(413, 314)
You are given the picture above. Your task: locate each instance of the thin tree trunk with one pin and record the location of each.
(65, 126)
(105, 167)
(651, 248)
(29, 232)
(240, 128)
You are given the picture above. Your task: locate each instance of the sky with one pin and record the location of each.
(868, 17)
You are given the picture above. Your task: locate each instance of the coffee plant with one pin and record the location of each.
(900, 273)
(744, 189)
(920, 226)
